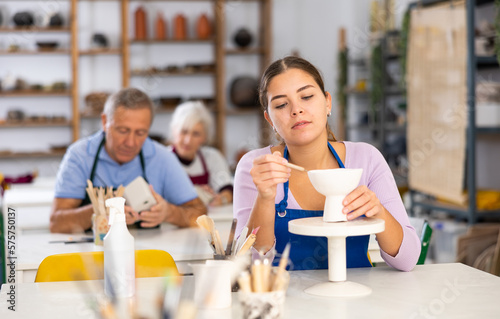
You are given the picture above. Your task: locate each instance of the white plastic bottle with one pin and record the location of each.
(119, 253)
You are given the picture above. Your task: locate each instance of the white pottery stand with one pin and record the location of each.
(337, 286)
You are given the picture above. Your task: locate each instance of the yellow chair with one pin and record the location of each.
(90, 266)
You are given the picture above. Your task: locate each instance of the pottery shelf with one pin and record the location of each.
(221, 108)
(26, 124)
(181, 73)
(37, 52)
(126, 50)
(115, 51)
(69, 92)
(13, 155)
(262, 48)
(34, 29)
(172, 41)
(246, 51)
(35, 93)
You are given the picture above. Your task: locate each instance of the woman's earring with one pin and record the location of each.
(329, 114)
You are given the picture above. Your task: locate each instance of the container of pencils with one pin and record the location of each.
(263, 288)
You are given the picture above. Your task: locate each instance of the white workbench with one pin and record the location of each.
(429, 291)
(184, 244)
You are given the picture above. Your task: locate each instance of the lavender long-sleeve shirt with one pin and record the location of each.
(377, 176)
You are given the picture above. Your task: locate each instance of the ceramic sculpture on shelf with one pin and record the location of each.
(140, 24)
(23, 19)
(243, 38)
(100, 40)
(56, 20)
(180, 32)
(203, 27)
(160, 27)
(244, 91)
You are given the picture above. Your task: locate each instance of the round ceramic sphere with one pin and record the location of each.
(23, 19)
(100, 40)
(243, 38)
(244, 91)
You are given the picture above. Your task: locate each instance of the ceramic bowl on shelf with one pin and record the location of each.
(168, 102)
(46, 45)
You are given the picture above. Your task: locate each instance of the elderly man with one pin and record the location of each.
(117, 155)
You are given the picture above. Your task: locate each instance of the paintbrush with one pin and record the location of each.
(204, 222)
(248, 242)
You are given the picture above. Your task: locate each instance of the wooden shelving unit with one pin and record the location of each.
(221, 110)
(36, 29)
(263, 50)
(123, 50)
(37, 52)
(34, 93)
(71, 92)
(113, 51)
(27, 124)
(16, 155)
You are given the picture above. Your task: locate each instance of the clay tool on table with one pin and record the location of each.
(230, 240)
(278, 278)
(240, 240)
(73, 241)
(248, 242)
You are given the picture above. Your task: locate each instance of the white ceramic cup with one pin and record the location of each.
(335, 184)
(212, 284)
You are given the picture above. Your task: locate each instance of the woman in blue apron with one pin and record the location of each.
(268, 194)
(356, 247)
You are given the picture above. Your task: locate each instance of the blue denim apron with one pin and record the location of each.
(309, 252)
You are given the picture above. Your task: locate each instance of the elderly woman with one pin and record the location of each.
(190, 130)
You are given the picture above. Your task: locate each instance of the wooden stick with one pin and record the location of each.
(230, 239)
(297, 167)
(247, 244)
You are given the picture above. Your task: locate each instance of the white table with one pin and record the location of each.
(429, 291)
(32, 205)
(184, 244)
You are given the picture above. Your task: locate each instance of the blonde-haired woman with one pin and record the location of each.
(191, 131)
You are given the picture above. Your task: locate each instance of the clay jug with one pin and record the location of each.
(160, 27)
(203, 28)
(180, 31)
(140, 24)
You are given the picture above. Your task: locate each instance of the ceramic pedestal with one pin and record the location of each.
(337, 286)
